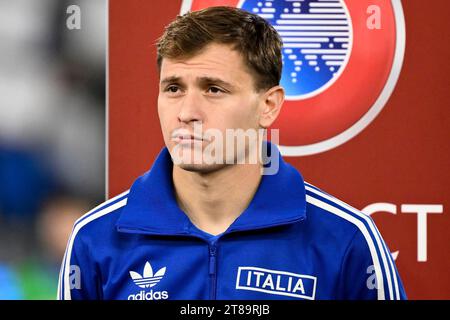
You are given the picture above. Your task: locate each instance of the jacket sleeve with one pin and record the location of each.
(368, 271)
(78, 278)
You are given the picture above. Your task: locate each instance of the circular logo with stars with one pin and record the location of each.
(316, 42)
(341, 62)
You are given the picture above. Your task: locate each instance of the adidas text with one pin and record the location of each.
(142, 295)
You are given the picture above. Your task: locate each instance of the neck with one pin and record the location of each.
(212, 201)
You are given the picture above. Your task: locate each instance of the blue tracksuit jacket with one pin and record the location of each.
(294, 241)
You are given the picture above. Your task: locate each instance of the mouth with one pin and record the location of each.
(187, 139)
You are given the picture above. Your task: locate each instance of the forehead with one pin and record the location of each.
(215, 60)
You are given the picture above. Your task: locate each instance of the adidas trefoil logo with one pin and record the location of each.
(148, 279)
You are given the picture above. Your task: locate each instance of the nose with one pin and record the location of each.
(190, 109)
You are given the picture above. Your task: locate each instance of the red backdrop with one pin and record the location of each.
(401, 158)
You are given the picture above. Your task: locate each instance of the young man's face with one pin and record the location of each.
(213, 89)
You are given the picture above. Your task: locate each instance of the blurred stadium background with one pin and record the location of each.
(52, 136)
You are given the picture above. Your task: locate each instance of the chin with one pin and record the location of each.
(202, 168)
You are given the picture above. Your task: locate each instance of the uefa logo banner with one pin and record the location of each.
(341, 61)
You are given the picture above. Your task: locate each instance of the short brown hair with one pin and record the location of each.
(249, 34)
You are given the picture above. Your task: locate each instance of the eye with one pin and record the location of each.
(172, 89)
(215, 90)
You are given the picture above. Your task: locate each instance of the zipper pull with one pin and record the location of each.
(212, 259)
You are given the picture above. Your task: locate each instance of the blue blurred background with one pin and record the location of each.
(52, 136)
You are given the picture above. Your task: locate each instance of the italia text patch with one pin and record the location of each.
(276, 282)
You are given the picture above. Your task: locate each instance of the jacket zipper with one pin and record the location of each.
(212, 270)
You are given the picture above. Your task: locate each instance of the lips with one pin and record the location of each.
(187, 138)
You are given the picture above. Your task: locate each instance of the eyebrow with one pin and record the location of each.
(218, 81)
(201, 80)
(170, 79)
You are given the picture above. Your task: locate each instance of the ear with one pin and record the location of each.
(271, 103)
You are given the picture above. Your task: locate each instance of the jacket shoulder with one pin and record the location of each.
(100, 220)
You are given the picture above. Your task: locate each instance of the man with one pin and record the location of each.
(209, 222)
